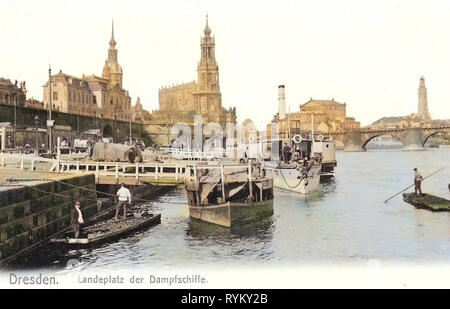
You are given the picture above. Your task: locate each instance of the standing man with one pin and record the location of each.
(286, 150)
(417, 182)
(124, 198)
(77, 219)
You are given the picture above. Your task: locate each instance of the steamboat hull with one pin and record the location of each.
(290, 179)
(229, 214)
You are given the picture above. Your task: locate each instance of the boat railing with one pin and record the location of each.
(248, 168)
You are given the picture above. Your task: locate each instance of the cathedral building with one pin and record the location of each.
(180, 103)
(91, 95)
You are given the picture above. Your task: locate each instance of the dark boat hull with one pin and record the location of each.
(113, 234)
(427, 201)
(228, 214)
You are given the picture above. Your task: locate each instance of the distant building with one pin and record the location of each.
(181, 102)
(423, 100)
(421, 119)
(329, 116)
(16, 94)
(90, 95)
(12, 94)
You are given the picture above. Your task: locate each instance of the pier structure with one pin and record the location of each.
(37, 194)
(104, 173)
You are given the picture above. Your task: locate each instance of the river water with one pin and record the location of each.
(345, 221)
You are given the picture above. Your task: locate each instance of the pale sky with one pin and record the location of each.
(369, 54)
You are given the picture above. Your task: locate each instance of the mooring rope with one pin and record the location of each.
(86, 189)
(58, 194)
(284, 179)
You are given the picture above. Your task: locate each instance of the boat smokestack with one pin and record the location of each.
(281, 102)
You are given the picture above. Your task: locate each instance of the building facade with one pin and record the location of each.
(180, 103)
(12, 94)
(329, 116)
(90, 95)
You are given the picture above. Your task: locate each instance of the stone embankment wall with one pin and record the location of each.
(29, 217)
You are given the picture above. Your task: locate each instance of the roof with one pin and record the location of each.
(391, 120)
(322, 102)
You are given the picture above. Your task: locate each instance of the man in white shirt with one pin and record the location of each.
(124, 198)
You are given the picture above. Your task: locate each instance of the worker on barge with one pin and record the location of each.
(124, 199)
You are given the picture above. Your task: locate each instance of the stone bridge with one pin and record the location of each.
(411, 138)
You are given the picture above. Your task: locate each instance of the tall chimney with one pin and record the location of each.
(281, 102)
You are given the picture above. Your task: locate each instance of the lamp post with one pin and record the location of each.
(36, 123)
(15, 122)
(131, 117)
(49, 123)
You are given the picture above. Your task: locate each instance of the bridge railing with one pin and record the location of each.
(127, 172)
(22, 160)
(110, 172)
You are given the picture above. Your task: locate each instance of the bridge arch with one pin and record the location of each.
(427, 137)
(107, 131)
(377, 135)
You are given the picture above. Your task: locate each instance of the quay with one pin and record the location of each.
(37, 195)
(107, 173)
(32, 209)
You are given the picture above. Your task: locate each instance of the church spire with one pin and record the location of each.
(112, 71)
(423, 100)
(207, 30)
(112, 42)
(208, 70)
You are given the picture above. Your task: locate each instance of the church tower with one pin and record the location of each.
(112, 71)
(423, 101)
(208, 91)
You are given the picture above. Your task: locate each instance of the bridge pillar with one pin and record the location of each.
(353, 141)
(412, 139)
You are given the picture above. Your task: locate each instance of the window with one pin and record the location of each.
(94, 99)
(55, 95)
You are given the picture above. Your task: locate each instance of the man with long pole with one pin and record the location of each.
(415, 184)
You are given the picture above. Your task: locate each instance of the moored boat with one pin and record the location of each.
(326, 148)
(292, 178)
(427, 201)
(299, 169)
(229, 195)
(110, 229)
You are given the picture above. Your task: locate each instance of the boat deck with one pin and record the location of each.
(427, 201)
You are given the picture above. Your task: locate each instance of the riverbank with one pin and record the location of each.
(35, 206)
